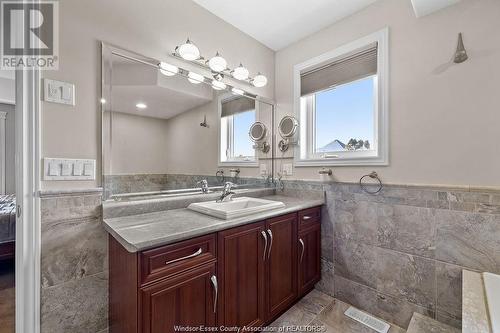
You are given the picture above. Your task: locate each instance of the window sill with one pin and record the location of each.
(250, 164)
(362, 161)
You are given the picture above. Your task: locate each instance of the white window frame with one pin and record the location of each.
(304, 151)
(229, 132)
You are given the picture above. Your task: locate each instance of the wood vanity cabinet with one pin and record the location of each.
(242, 276)
(242, 255)
(281, 264)
(309, 249)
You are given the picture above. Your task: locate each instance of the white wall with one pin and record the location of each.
(138, 145)
(152, 28)
(459, 107)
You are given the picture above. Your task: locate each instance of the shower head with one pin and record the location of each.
(460, 53)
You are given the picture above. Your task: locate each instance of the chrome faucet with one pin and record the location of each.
(204, 185)
(227, 194)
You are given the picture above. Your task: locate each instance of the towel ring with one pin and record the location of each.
(372, 175)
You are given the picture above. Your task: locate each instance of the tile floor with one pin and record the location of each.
(323, 312)
(7, 296)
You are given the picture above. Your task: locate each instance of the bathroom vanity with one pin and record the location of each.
(242, 272)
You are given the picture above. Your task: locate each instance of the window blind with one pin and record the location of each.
(356, 66)
(237, 105)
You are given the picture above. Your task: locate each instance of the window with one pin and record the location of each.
(341, 100)
(237, 114)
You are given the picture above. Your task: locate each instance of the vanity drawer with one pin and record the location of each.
(175, 258)
(308, 217)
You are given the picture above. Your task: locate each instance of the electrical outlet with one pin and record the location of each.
(287, 169)
(263, 169)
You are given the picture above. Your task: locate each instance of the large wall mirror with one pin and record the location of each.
(165, 129)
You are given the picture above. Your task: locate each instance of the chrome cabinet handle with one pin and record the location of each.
(213, 279)
(197, 253)
(270, 243)
(263, 233)
(305, 217)
(303, 249)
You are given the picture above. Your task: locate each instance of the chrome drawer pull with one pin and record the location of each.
(213, 279)
(305, 218)
(271, 243)
(197, 253)
(265, 244)
(303, 249)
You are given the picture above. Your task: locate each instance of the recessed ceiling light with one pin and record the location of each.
(240, 73)
(168, 70)
(218, 85)
(141, 106)
(189, 51)
(237, 91)
(195, 78)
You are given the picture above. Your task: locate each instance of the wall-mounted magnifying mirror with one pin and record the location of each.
(257, 134)
(287, 128)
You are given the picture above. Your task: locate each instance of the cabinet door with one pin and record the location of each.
(282, 263)
(309, 252)
(187, 299)
(241, 254)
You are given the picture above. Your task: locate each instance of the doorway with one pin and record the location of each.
(7, 201)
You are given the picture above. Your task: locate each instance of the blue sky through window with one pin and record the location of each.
(345, 112)
(241, 126)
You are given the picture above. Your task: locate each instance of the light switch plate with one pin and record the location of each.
(68, 169)
(59, 92)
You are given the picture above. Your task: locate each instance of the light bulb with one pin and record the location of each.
(103, 101)
(168, 70)
(259, 80)
(240, 73)
(217, 63)
(195, 78)
(141, 106)
(218, 85)
(237, 91)
(189, 51)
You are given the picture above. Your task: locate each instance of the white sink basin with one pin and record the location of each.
(238, 207)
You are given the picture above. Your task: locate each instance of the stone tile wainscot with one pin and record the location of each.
(403, 250)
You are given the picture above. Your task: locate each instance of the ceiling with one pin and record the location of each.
(279, 23)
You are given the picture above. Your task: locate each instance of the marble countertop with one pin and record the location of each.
(145, 231)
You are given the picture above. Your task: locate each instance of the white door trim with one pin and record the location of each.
(27, 156)
(28, 203)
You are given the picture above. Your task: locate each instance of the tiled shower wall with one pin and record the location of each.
(402, 250)
(74, 264)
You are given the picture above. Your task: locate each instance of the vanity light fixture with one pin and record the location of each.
(195, 78)
(141, 106)
(259, 80)
(237, 91)
(218, 85)
(167, 69)
(188, 51)
(217, 63)
(240, 73)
